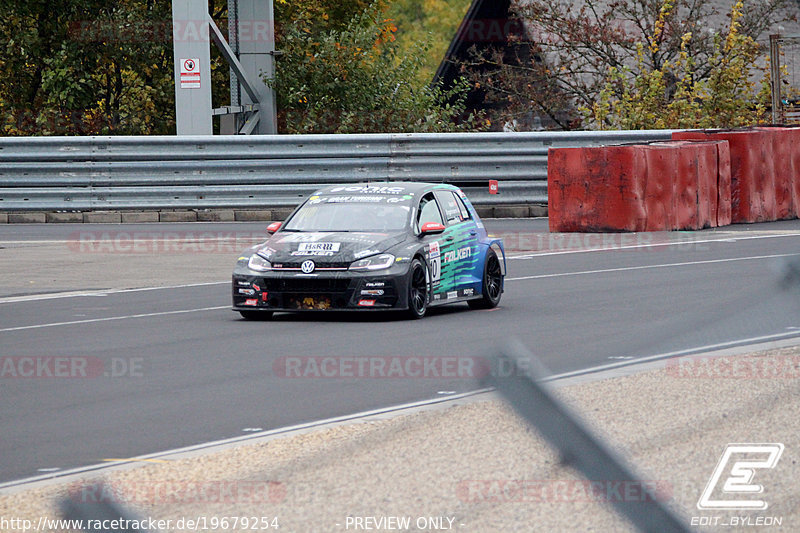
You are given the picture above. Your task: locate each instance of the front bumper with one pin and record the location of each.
(323, 291)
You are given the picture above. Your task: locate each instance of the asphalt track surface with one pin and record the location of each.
(203, 374)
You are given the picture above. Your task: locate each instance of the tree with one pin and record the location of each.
(427, 20)
(724, 96)
(94, 67)
(580, 56)
(86, 67)
(352, 79)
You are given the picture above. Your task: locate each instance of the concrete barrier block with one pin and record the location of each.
(64, 218)
(253, 215)
(177, 216)
(102, 218)
(139, 217)
(27, 218)
(216, 215)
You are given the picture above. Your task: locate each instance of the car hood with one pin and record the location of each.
(326, 247)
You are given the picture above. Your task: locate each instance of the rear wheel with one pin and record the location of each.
(256, 315)
(417, 289)
(492, 287)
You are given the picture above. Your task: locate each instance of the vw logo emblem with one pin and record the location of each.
(307, 267)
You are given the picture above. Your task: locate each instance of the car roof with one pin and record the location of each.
(372, 187)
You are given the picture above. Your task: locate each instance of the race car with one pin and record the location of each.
(373, 246)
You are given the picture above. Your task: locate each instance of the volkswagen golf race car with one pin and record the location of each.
(376, 246)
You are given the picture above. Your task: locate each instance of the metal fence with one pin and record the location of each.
(93, 173)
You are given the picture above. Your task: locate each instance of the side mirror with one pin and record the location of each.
(432, 228)
(272, 228)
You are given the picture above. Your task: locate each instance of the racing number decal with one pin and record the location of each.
(435, 261)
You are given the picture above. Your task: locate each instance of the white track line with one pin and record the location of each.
(669, 355)
(245, 438)
(644, 267)
(179, 452)
(102, 292)
(726, 239)
(107, 319)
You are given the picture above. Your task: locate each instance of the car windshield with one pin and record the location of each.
(328, 214)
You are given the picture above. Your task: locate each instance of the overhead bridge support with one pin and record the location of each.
(251, 58)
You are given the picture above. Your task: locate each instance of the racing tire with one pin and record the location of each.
(256, 315)
(492, 284)
(418, 289)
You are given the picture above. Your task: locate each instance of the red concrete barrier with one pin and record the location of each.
(782, 144)
(761, 171)
(595, 189)
(723, 215)
(795, 157)
(655, 187)
(659, 179)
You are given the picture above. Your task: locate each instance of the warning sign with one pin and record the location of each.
(190, 73)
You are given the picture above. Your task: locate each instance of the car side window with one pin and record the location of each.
(463, 208)
(428, 211)
(452, 211)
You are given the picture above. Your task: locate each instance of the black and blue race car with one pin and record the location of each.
(373, 246)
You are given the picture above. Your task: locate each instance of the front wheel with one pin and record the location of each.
(492, 287)
(417, 289)
(256, 315)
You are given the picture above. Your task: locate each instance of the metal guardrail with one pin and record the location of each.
(91, 173)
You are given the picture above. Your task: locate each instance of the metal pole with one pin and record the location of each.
(775, 75)
(256, 41)
(192, 67)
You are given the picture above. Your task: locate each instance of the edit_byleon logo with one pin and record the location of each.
(731, 485)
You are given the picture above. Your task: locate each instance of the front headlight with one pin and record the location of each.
(258, 263)
(376, 262)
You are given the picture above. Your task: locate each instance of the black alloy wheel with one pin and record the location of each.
(417, 289)
(492, 283)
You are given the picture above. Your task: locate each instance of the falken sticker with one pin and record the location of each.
(251, 301)
(326, 254)
(455, 255)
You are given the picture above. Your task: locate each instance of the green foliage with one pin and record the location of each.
(354, 79)
(433, 21)
(628, 63)
(723, 97)
(88, 67)
(85, 67)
